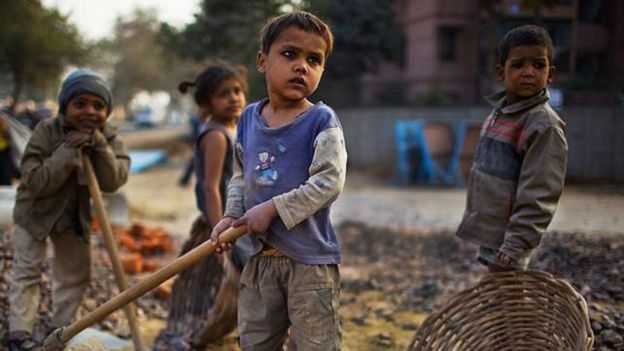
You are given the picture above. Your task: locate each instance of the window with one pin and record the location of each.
(447, 43)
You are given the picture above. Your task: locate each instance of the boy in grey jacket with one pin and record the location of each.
(53, 203)
(519, 166)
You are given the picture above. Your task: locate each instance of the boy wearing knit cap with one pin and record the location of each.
(53, 203)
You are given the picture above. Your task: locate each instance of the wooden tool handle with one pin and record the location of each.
(111, 248)
(178, 265)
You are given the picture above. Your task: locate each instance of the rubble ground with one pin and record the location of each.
(391, 280)
(400, 260)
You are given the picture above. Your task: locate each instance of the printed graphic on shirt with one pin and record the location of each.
(265, 174)
(281, 147)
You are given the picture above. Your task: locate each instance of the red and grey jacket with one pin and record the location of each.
(516, 177)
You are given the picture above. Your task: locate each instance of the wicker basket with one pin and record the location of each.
(510, 311)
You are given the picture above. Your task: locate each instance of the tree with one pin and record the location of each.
(220, 33)
(138, 58)
(366, 33)
(36, 44)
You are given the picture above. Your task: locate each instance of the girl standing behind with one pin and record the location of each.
(204, 297)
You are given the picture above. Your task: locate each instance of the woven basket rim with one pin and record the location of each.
(505, 302)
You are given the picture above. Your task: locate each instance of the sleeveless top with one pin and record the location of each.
(200, 166)
(243, 246)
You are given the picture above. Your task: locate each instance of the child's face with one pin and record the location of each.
(294, 65)
(86, 112)
(228, 101)
(526, 72)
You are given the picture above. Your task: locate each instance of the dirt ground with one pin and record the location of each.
(400, 258)
(588, 208)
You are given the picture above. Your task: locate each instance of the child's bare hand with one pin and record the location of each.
(504, 259)
(221, 226)
(75, 139)
(258, 218)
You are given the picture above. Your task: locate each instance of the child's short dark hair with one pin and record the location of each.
(305, 21)
(209, 79)
(524, 35)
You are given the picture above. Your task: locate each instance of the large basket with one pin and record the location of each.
(509, 311)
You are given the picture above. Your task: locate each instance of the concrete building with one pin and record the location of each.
(450, 50)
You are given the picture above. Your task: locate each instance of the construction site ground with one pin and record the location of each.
(400, 259)
(589, 208)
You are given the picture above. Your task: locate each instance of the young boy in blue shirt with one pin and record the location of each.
(290, 165)
(519, 167)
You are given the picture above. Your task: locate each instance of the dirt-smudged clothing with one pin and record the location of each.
(52, 203)
(517, 176)
(50, 194)
(293, 278)
(302, 167)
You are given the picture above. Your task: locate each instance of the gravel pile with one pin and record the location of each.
(415, 270)
(102, 288)
(420, 271)
(594, 265)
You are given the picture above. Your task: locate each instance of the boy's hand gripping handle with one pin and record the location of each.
(57, 339)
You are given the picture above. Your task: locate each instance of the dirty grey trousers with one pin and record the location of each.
(71, 271)
(276, 293)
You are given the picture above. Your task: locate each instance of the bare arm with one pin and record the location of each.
(234, 207)
(213, 146)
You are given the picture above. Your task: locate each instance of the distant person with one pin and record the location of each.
(29, 116)
(219, 92)
(290, 166)
(187, 173)
(520, 163)
(53, 203)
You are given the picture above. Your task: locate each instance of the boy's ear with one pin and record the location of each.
(551, 74)
(261, 62)
(500, 72)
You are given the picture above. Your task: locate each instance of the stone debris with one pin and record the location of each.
(384, 339)
(408, 271)
(103, 286)
(423, 270)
